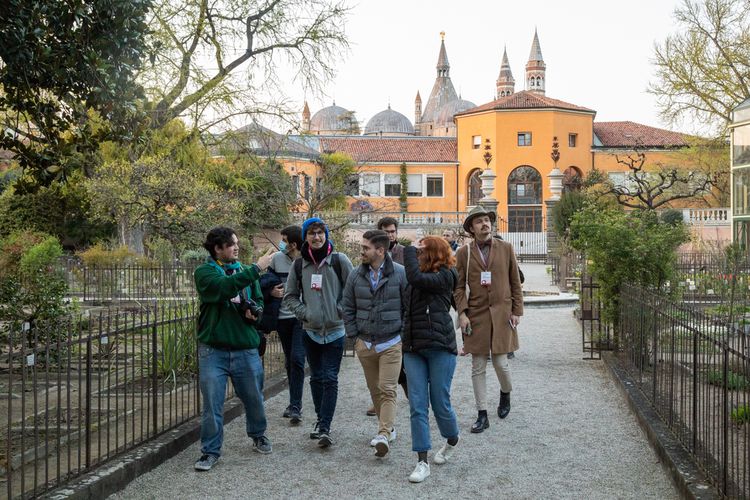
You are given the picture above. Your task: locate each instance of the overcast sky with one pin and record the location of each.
(598, 53)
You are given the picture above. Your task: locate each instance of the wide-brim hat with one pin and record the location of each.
(477, 211)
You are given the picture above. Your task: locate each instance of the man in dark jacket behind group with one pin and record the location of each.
(373, 304)
(230, 303)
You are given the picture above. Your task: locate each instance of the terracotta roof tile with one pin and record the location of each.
(630, 134)
(525, 100)
(394, 149)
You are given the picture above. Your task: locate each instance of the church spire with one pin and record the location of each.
(536, 68)
(442, 92)
(443, 67)
(417, 109)
(306, 118)
(505, 83)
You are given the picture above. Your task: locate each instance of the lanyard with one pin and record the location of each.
(481, 254)
(309, 251)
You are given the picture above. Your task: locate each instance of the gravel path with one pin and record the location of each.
(569, 435)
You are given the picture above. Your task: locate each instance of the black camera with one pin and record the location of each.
(252, 306)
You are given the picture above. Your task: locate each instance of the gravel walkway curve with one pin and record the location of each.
(569, 434)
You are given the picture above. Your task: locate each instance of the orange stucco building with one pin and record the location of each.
(444, 149)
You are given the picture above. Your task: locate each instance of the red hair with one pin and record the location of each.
(435, 253)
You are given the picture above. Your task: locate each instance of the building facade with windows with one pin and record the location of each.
(444, 149)
(740, 173)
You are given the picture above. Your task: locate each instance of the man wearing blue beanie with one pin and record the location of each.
(313, 293)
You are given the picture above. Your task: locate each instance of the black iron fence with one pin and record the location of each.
(110, 284)
(567, 269)
(695, 370)
(529, 240)
(80, 390)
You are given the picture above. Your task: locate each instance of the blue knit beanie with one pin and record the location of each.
(311, 221)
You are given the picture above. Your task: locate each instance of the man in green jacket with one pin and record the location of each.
(230, 304)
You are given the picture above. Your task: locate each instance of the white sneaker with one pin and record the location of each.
(445, 453)
(391, 438)
(421, 471)
(381, 445)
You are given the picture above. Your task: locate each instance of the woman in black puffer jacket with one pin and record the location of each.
(429, 346)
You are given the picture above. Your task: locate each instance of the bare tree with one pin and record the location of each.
(215, 59)
(703, 70)
(654, 186)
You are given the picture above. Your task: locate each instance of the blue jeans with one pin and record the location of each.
(292, 337)
(246, 370)
(430, 373)
(324, 361)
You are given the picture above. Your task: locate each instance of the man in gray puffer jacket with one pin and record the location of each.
(373, 304)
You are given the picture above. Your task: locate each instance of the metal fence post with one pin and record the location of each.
(725, 424)
(89, 362)
(695, 390)
(154, 374)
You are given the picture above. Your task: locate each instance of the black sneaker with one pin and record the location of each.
(324, 439)
(262, 445)
(205, 462)
(315, 434)
(295, 414)
(287, 412)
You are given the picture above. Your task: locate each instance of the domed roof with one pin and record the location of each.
(330, 118)
(444, 115)
(389, 122)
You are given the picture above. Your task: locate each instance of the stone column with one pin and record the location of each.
(488, 186)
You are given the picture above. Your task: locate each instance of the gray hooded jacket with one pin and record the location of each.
(318, 310)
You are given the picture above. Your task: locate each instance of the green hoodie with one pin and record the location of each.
(220, 323)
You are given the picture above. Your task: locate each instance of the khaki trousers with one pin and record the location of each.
(381, 373)
(479, 380)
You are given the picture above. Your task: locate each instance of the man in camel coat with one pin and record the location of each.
(490, 306)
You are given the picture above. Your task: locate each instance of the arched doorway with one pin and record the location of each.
(572, 179)
(524, 200)
(474, 188)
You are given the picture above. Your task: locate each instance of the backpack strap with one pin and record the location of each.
(335, 263)
(298, 274)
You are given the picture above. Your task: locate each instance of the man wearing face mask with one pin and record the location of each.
(313, 294)
(286, 325)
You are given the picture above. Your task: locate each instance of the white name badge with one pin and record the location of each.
(486, 278)
(316, 282)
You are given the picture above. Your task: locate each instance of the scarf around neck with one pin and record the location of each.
(228, 269)
(316, 256)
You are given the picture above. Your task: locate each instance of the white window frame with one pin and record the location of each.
(476, 141)
(379, 183)
(421, 186)
(442, 185)
(383, 183)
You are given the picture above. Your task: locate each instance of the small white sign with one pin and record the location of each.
(691, 288)
(710, 291)
(30, 360)
(26, 326)
(104, 340)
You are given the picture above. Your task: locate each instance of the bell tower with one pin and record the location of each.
(536, 77)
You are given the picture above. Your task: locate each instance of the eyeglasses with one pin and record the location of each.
(317, 234)
(394, 231)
